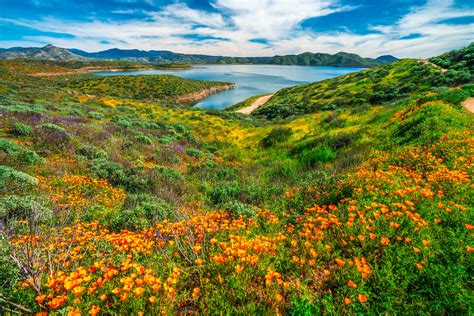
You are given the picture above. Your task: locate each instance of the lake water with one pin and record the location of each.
(249, 80)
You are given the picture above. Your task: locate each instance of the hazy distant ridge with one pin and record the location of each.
(51, 52)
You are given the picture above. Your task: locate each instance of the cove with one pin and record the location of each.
(249, 80)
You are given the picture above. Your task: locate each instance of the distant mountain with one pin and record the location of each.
(340, 59)
(48, 52)
(386, 59)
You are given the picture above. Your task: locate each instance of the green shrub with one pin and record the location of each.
(92, 152)
(196, 153)
(53, 127)
(96, 115)
(15, 207)
(19, 155)
(11, 179)
(277, 135)
(21, 129)
(143, 138)
(311, 158)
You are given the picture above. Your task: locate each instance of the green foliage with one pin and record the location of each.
(50, 127)
(21, 129)
(15, 154)
(196, 153)
(12, 179)
(95, 115)
(277, 135)
(143, 138)
(29, 208)
(92, 152)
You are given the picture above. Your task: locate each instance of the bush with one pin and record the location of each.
(277, 135)
(14, 207)
(96, 115)
(18, 154)
(196, 153)
(53, 127)
(312, 158)
(143, 138)
(21, 129)
(11, 179)
(92, 152)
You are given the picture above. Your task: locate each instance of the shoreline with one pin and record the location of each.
(195, 97)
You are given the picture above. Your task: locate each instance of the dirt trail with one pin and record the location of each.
(469, 104)
(427, 62)
(255, 105)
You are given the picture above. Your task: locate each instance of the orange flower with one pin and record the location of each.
(103, 297)
(74, 312)
(152, 299)
(40, 298)
(198, 261)
(416, 249)
(469, 249)
(196, 292)
(238, 268)
(279, 297)
(426, 242)
(94, 310)
(340, 262)
(347, 301)
(352, 284)
(372, 236)
(384, 241)
(362, 298)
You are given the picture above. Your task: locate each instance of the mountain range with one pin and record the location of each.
(51, 52)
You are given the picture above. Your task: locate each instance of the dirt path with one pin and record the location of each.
(255, 105)
(427, 62)
(469, 104)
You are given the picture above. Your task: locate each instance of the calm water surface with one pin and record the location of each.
(249, 80)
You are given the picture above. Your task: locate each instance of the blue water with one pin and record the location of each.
(249, 80)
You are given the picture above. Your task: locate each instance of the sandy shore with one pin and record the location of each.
(255, 105)
(469, 104)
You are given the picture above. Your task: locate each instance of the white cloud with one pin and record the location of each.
(235, 22)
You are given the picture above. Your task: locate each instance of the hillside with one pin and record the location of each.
(378, 85)
(153, 56)
(114, 199)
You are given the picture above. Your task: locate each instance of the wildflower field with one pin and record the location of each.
(116, 205)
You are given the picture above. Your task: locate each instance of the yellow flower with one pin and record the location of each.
(138, 291)
(152, 299)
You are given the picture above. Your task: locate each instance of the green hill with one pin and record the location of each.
(374, 86)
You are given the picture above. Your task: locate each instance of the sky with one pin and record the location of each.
(403, 28)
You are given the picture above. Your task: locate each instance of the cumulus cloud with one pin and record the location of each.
(232, 27)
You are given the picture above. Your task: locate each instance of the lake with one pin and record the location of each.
(249, 80)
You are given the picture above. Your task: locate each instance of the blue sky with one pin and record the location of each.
(404, 28)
